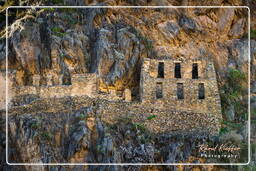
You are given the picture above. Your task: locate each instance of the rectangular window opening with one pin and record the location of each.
(177, 72)
(180, 91)
(160, 70)
(195, 71)
(201, 91)
(159, 90)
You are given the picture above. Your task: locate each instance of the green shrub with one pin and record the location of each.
(231, 92)
(35, 125)
(100, 149)
(58, 32)
(253, 34)
(56, 29)
(71, 20)
(232, 124)
(139, 127)
(235, 77)
(223, 130)
(82, 116)
(46, 136)
(151, 117)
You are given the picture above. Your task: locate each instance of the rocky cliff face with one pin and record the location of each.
(112, 43)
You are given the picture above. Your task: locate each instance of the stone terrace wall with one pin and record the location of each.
(165, 121)
(207, 76)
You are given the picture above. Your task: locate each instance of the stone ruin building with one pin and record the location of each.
(185, 85)
(183, 92)
(80, 85)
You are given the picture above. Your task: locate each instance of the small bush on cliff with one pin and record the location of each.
(232, 94)
(46, 136)
(35, 125)
(138, 127)
(151, 117)
(58, 31)
(253, 34)
(82, 116)
(235, 78)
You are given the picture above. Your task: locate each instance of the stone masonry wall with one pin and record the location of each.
(82, 84)
(206, 72)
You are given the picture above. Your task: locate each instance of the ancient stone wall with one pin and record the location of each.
(151, 84)
(82, 84)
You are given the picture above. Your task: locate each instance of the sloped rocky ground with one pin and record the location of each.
(72, 130)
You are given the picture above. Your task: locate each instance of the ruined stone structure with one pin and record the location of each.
(82, 84)
(182, 94)
(185, 85)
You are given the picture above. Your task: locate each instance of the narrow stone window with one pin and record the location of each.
(180, 91)
(195, 71)
(159, 90)
(66, 79)
(201, 91)
(160, 70)
(177, 73)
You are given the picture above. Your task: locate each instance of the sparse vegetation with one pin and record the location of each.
(223, 130)
(139, 127)
(82, 116)
(232, 124)
(35, 125)
(46, 136)
(232, 92)
(100, 149)
(58, 32)
(253, 34)
(69, 19)
(49, 9)
(144, 40)
(151, 117)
